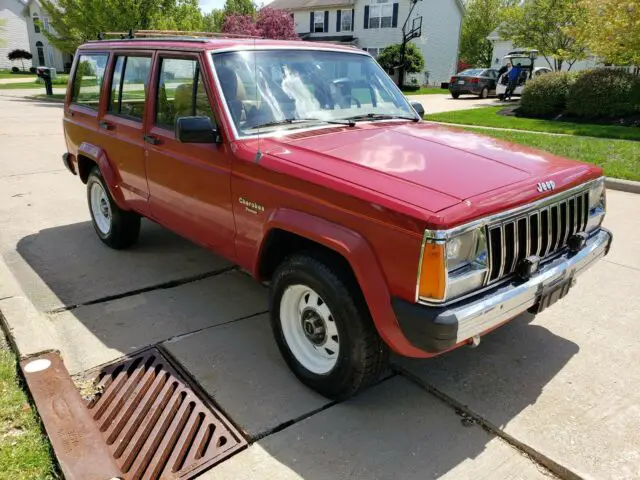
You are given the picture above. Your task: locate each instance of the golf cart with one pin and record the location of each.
(526, 59)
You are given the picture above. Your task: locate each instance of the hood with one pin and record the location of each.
(423, 164)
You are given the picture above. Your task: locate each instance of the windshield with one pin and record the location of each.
(472, 72)
(267, 90)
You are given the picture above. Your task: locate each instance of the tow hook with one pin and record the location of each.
(474, 341)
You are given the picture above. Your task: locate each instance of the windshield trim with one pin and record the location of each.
(278, 132)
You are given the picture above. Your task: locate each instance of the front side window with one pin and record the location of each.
(129, 86)
(87, 82)
(318, 22)
(301, 88)
(347, 21)
(380, 14)
(181, 92)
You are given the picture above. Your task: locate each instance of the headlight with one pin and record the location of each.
(597, 204)
(450, 267)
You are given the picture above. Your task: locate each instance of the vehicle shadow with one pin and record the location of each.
(396, 429)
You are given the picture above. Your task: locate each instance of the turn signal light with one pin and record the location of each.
(432, 272)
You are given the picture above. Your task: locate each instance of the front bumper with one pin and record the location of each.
(436, 329)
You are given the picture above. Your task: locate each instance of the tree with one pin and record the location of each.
(240, 25)
(76, 21)
(270, 23)
(213, 21)
(389, 58)
(19, 54)
(481, 18)
(239, 7)
(546, 25)
(611, 30)
(276, 24)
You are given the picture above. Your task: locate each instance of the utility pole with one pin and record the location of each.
(416, 31)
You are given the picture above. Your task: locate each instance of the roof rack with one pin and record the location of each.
(180, 34)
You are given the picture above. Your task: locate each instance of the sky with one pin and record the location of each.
(208, 5)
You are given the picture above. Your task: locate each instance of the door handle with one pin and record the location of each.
(153, 140)
(106, 125)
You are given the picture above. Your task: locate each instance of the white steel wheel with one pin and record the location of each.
(100, 208)
(309, 329)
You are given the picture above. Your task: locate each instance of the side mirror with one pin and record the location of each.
(196, 130)
(417, 106)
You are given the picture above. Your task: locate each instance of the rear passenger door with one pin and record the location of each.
(124, 121)
(189, 183)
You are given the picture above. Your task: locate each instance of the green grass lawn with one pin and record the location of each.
(44, 96)
(25, 453)
(427, 91)
(489, 117)
(619, 158)
(8, 74)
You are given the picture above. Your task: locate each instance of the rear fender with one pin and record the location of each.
(108, 172)
(363, 261)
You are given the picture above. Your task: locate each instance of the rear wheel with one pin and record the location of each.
(455, 95)
(484, 93)
(116, 227)
(323, 327)
(500, 97)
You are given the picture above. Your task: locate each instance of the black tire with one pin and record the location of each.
(455, 95)
(484, 93)
(501, 97)
(124, 226)
(362, 355)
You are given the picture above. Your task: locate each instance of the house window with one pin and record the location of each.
(318, 22)
(374, 52)
(46, 24)
(36, 23)
(40, 49)
(380, 14)
(347, 21)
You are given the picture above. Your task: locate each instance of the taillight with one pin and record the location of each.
(474, 80)
(452, 79)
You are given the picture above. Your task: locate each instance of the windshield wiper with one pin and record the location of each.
(382, 116)
(291, 121)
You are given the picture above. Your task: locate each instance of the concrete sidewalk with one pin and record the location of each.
(562, 387)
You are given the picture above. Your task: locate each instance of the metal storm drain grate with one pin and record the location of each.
(154, 424)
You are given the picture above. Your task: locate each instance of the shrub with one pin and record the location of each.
(32, 69)
(604, 93)
(15, 69)
(547, 94)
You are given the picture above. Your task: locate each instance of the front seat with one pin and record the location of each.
(233, 90)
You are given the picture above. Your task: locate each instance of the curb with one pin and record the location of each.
(628, 186)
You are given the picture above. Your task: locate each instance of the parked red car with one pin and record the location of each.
(305, 165)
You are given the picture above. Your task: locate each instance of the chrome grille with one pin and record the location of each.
(540, 232)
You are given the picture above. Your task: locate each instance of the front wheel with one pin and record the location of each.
(323, 327)
(115, 227)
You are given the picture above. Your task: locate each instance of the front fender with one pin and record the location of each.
(363, 261)
(108, 172)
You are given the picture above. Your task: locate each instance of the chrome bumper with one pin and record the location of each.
(436, 330)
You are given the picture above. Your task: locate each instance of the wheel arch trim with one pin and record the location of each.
(355, 249)
(108, 172)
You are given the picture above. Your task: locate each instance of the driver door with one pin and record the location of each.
(189, 183)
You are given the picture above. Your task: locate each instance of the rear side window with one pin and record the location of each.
(87, 82)
(181, 92)
(129, 85)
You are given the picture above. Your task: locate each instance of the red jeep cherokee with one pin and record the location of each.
(305, 165)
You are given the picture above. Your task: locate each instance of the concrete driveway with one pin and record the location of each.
(445, 103)
(558, 390)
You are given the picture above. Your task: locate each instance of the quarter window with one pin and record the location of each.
(129, 86)
(87, 82)
(318, 22)
(380, 14)
(181, 92)
(347, 21)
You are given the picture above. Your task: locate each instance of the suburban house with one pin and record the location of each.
(375, 24)
(502, 46)
(25, 22)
